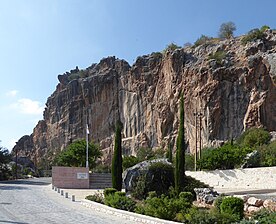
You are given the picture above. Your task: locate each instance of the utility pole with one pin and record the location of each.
(198, 139)
(195, 114)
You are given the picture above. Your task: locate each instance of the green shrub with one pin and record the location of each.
(202, 40)
(233, 206)
(109, 191)
(226, 157)
(145, 154)
(254, 137)
(268, 154)
(265, 216)
(164, 207)
(97, 197)
(204, 216)
(189, 162)
(218, 56)
(264, 28)
(120, 201)
(187, 196)
(102, 168)
(218, 202)
(171, 47)
(162, 178)
(139, 191)
(254, 35)
(192, 183)
(129, 161)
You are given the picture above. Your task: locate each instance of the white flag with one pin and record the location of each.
(87, 130)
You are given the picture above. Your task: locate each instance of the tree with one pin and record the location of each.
(75, 154)
(117, 168)
(180, 152)
(5, 158)
(226, 30)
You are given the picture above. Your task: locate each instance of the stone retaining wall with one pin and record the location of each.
(249, 178)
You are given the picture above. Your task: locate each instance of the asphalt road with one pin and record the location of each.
(32, 201)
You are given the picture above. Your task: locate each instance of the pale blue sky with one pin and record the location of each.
(40, 39)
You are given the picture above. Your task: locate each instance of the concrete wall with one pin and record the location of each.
(70, 177)
(250, 178)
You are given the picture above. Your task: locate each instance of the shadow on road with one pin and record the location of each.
(10, 188)
(4, 221)
(35, 181)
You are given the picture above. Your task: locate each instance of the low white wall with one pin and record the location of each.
(249, 178)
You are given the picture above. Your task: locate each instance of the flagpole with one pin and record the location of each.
(87, 133)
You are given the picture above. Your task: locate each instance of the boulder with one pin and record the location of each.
(270, 205)
(131, 175)
(251, 159)
(206, 195)
(254, 209)
(255, 201)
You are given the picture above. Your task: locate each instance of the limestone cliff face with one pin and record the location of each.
(233, 93)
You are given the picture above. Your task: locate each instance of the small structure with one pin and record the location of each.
(70, 177)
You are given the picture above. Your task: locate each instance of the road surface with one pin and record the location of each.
(32, 201)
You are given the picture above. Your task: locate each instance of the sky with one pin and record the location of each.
(40, 39)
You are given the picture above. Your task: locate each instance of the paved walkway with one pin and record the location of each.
(33, 201)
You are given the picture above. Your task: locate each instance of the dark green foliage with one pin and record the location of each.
(264, 217)
(192, 183)
(159, 179)
(171, 47)
(180, 151)
(162, 179)
(117, 167)
(202, 216)
(189, 162)
(218, 56)
(169, 153)
(254, 137)
(165, 207)
(254, 35)
(264, 28)
(226, 30)
(202, 40)
(129, 161)
(97, 197)
(108, 191)
(218, 201)
(268, 154)
(226, 157)
(232, 206)
(75, 154)
(5, 158)
(145, 154)
(139, 191)
(102, 168)
(120, 201)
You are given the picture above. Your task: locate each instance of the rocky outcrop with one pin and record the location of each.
(132, 174)
(232, 94)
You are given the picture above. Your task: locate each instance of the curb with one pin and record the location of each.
(124, 214)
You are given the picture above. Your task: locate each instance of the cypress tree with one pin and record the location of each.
(117, 168)
(180, 152)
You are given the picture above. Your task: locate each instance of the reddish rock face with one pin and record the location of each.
(232, 94)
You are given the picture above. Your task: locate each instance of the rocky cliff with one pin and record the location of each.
(231, 85)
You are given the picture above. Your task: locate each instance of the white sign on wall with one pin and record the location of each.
(82, 175)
